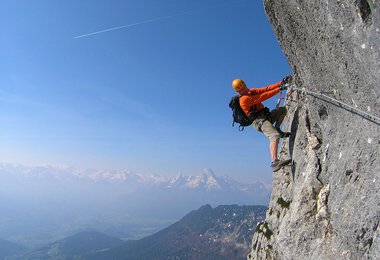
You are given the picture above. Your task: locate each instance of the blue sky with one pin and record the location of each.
(151, 97)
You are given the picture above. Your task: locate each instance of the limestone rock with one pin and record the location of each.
(327, 204)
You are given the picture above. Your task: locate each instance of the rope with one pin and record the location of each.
(352, 109)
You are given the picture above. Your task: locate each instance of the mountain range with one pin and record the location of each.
(45, 203)
(207, 180)
(224, 232)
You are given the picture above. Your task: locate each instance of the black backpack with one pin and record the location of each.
(238, 114)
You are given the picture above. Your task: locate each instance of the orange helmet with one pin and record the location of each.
(238, 84)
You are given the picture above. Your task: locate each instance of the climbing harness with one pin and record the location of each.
(352, 109)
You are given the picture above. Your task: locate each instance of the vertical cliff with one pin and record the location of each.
(327, 204)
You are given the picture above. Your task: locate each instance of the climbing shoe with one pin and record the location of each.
(283, 134)
(277, 164)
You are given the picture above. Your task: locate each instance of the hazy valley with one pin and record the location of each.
(224, 232)
(43, 204)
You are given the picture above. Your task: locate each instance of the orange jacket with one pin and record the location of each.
(257, 95)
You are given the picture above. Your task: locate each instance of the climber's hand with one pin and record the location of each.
(286, 80)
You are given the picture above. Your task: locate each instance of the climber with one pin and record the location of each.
(263, 119)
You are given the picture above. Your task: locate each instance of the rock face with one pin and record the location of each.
(327, 205)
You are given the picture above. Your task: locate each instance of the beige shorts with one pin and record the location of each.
(265, 125)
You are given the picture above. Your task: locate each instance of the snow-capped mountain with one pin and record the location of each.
(67, 199)
(207, 180)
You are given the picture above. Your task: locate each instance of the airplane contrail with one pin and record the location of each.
(147, 21)
(134, 24)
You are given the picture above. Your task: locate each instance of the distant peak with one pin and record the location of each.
(208, 172)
